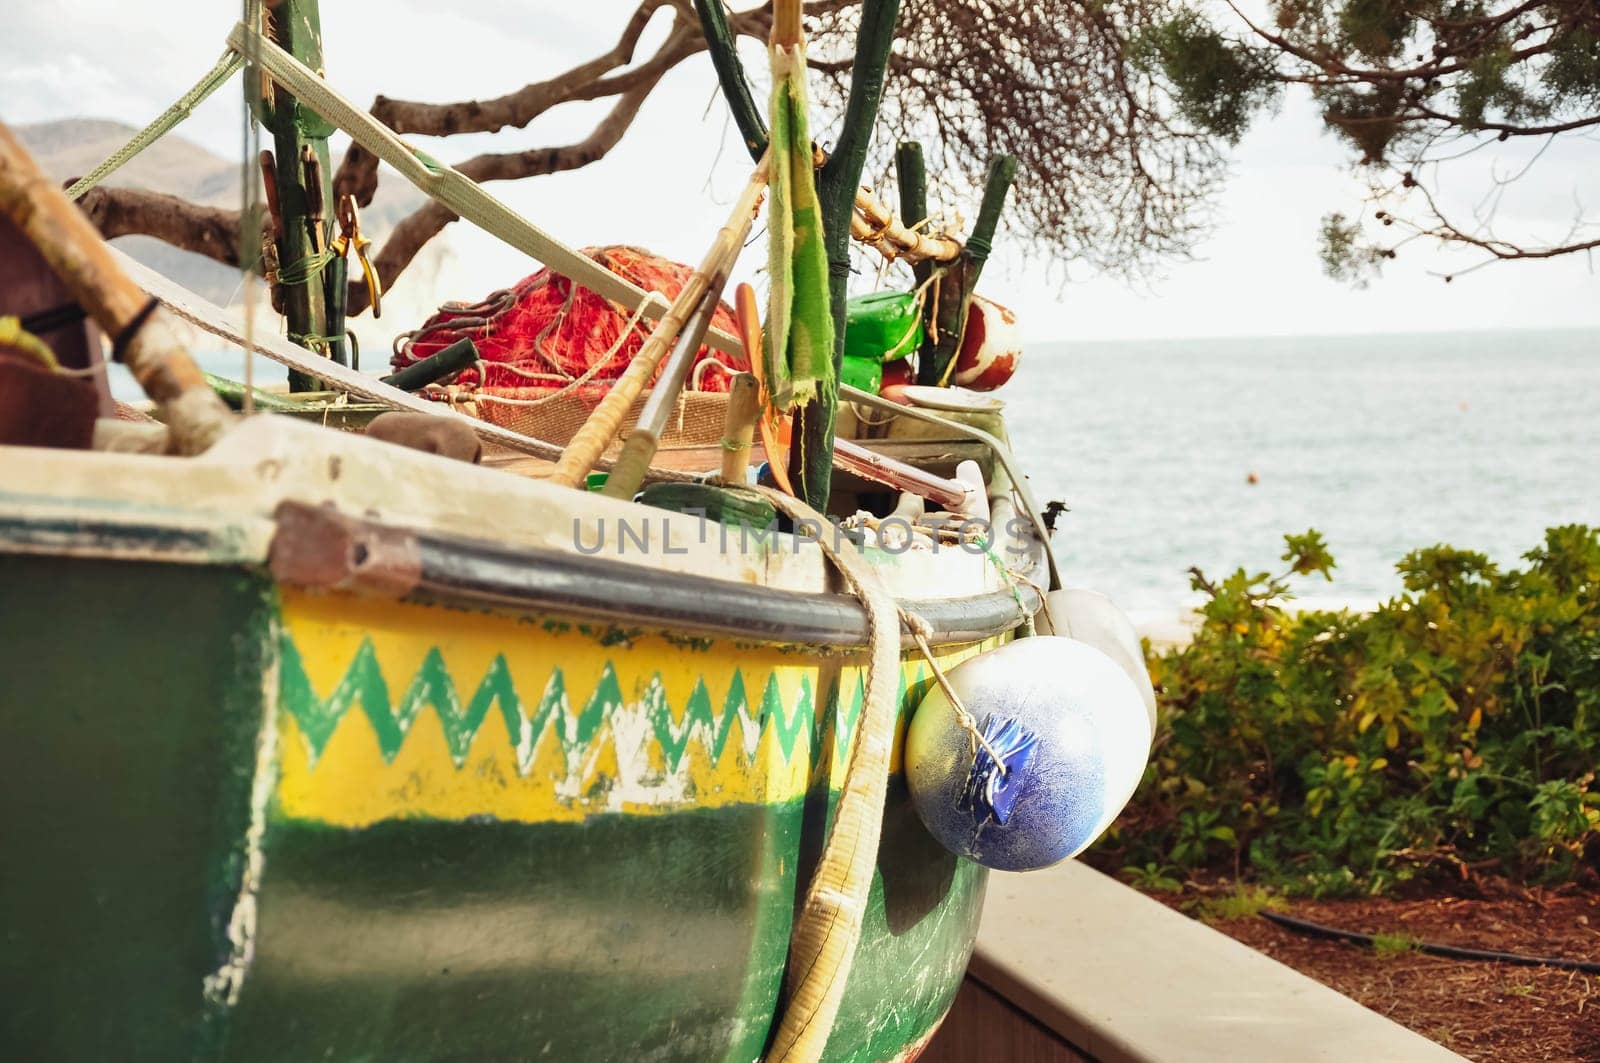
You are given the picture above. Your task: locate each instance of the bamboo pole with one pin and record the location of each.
(786, 29)
(739, 427)
(629, 470)
(875, 225)
(604, 422)
(149, 344)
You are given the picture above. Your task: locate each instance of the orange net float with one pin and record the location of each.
(546, 333)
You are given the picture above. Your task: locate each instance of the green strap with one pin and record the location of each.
(226, 67)
(799, 347)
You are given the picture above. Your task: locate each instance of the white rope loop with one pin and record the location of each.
(920, 632)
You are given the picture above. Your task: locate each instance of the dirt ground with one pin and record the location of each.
(1484, 1011)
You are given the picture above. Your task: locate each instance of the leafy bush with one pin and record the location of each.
(1452, 730)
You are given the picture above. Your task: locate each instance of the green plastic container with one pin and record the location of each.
(882, 327)
(863, 373)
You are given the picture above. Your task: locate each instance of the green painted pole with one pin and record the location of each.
(811, 460)
(435, 367)
(911, 173)
(297, 27)
(730, 76)
(948, 319)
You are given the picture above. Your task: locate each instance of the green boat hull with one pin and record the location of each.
(161, 904)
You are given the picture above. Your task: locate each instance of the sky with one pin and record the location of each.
(670, 183)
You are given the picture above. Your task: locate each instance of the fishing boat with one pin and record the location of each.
(319, 746)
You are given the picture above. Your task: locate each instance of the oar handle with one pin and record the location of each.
(143, 337)
(739, 427)
(629, 470)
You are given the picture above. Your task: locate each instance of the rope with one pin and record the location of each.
(211, 318)
(706, 363)
(573, 383)
(1012, 579)
(828, 928)
(226, 67)
(447, 186)
(302, 271)
(920, 630)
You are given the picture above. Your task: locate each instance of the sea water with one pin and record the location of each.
(1382, 443)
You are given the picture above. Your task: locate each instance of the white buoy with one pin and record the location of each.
(1071, 733)
(1091, 617)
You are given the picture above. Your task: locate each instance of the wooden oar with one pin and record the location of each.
(603, 424)
(744, 306)
(142, 334)
(739, 427)
(634, 462)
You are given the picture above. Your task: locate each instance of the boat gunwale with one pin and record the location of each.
(375, 558)
(318, 548)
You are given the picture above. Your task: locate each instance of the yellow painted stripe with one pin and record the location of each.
(648, 754)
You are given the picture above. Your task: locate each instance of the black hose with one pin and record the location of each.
(435, 367)
(1453, 952)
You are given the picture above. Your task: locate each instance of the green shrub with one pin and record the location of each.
(1242, 902)
(1454, 729)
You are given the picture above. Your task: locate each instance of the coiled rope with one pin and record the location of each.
(823, 944)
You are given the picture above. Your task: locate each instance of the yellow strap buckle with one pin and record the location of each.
(349, 238)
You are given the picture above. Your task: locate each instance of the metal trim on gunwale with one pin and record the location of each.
(318, 548)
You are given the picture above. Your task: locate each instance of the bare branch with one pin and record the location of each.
(207, 231)
(423, 224)
(1109, 176)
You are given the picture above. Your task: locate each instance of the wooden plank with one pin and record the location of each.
(1132, 981)
(982, 1025)
(938, 456)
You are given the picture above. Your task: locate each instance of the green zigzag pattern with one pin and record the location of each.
(432, 686)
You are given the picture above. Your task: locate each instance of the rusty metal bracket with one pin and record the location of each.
(320, 548)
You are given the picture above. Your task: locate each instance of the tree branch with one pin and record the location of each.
(427, 221)
(207, 231)
(358, 173)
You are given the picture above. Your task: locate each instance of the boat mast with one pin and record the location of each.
(304, 190)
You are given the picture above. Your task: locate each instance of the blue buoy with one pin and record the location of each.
(1069, 737)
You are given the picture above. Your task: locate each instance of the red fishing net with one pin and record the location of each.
(546, 333)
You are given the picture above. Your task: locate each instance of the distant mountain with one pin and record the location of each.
(69, 148)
